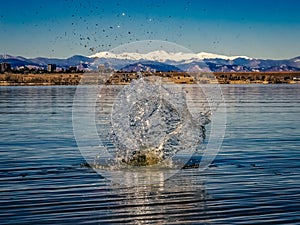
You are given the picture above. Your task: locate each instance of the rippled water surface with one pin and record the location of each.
(254, 179)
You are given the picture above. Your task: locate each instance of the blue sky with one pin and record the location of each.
(257, 28)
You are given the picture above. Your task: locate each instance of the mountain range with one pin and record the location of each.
(161, 61)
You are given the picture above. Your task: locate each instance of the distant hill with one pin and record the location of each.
(150, 66)
(161, 61)
(43, 62)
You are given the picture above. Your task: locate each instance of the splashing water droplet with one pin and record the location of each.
(146, 131)
(151, 123)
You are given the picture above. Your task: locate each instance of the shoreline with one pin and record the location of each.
(124, 78)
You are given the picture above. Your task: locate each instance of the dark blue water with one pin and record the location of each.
(254, 179)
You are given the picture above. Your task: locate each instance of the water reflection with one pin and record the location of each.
(180, 198)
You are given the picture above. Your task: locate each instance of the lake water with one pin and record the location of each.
(254, 179)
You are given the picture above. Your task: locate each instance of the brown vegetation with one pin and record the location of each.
(257, 77)
(167, 77)
(40, 79)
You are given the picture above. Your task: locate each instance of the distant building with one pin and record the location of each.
(51, 68)
(5, 67)
(73, 69)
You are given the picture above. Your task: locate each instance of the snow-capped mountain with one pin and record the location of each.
(164, 56)
(161, 60)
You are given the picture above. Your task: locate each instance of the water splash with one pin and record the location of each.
(151, 124)
(121, 127)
